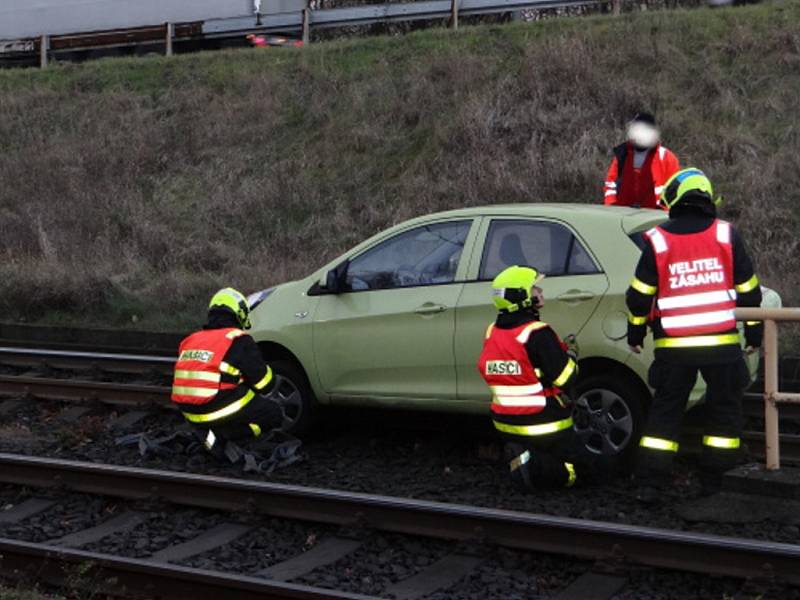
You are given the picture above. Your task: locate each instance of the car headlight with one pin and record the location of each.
(257, 298)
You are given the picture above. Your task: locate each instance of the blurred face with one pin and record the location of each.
(537, 296)
(643, 135)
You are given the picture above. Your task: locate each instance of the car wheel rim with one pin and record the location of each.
(603, 421)
(289, 397)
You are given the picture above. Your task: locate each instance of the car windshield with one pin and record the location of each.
(427, 255)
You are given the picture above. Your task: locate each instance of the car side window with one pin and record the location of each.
(550, 247)
(426, 255)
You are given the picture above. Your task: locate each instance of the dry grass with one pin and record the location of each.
(137, 186)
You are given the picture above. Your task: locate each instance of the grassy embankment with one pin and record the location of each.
(131, 188)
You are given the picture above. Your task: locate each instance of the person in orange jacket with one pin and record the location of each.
(640, 167)
(257, 41)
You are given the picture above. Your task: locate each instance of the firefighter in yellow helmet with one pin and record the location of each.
(221, 382)
(693, 272)
(528, 367)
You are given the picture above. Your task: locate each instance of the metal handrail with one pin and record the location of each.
(772, 396)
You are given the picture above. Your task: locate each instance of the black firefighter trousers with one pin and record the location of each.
(261, 414)
(723, 415)
(555, 460)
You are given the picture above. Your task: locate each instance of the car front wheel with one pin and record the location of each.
(293, 392)
(609, 415)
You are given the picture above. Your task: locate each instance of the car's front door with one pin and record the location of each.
(390, 334)
(573, 287)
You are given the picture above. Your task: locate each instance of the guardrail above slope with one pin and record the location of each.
(772, 396)
(286, 17)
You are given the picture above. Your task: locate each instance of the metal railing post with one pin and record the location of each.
(170, 27)
(771, 427)
(454, 14)
(307, 23)
(44, 44)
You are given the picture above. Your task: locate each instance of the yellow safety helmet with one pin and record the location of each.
(685, 181)
(511, 289)
(234, 301)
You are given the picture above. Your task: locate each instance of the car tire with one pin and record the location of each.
(609, 414)
(294, 393)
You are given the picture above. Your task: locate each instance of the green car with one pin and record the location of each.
(399, 320)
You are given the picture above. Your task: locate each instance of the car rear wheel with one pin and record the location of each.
(609, 415)
(294, 393)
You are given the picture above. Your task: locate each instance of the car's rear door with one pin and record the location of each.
(391, 335)
(573, 288)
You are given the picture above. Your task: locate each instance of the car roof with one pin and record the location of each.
(630, 218)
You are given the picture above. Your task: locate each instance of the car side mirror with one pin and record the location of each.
(336, 279)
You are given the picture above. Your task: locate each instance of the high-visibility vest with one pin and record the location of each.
(200, 366)
(696, 294)
(505, 366)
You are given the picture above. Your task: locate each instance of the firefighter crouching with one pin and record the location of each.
(221, 382)
(693, 272)
(527, 366)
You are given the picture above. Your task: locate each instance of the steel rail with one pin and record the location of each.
(98, 391)
(110, 574)
(679, 550)
(70, 359)
(143, 395)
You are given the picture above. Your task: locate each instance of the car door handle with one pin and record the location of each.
(575, 296)
(429, 308)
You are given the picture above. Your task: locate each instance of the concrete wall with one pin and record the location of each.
(29, 18)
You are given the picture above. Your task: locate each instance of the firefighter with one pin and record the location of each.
(527, 366)
(693, 272)
(640, 166)
(221, 383)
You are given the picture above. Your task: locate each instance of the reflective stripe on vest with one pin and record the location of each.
(701, 299)
(522, 338)
(659, 242)
(654, 443)
(223, 412)
(697, 319)
(229, 369)
(198, 375)
(534, 430)
(518, 395)
(196, 392)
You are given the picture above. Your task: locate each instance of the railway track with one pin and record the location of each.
(144, 395)
(489, 528)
